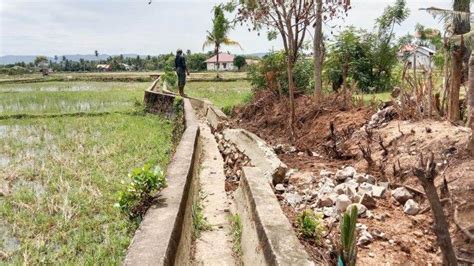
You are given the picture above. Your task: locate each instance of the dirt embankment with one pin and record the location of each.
(393, 147)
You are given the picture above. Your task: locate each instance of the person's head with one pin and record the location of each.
(179, 52)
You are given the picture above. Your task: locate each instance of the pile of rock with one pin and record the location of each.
(334, 193)
(346, 188)
(405, 197)
(234, 159)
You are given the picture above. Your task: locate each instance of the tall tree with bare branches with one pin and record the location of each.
(289, 19)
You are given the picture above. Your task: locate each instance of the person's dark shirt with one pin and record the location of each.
(180, 62)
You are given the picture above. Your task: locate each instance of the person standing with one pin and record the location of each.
(181, 71)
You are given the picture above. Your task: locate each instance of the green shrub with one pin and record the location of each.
(170, 78)
(273, 66)
(310, 224)
(137, 195)
(348, 245)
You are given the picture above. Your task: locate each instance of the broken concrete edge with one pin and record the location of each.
(153, 85)
(273, 229)
(160, 236)
(259, 152)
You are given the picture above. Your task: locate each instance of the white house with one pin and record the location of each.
(226, 62)
(417, 56)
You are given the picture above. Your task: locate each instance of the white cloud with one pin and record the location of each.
(122, 26)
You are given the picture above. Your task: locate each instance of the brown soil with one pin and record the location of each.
(413, 237)
(267, 116)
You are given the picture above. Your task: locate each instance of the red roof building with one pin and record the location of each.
(226, 62)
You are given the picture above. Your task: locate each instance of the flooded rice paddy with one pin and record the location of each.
(69, 97)
(59, 176)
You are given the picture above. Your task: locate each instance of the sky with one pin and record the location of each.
(57, 27)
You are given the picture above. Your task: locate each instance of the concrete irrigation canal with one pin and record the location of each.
(201, 220)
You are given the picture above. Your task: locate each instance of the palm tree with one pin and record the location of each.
(218, 36)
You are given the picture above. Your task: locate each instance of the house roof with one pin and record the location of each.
(421, 49)
(223, 58)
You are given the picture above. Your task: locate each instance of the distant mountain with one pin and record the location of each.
(257, 54)
(11, 59)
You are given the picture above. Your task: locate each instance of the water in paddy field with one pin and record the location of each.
(63, 107)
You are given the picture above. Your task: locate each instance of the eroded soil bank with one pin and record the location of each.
(326, 166)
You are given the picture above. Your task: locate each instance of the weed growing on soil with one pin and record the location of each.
(135, 199)
(348, 245)
(310, 224)
(236, 231)
(199, 221)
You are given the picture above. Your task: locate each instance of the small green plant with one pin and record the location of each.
(310, 224)
(236, 230)
(137, 196)
(199, 221)
(348, 245)
(170, 78)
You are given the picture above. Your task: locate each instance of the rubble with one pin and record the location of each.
(342, 202)
(343, 174)
(234, 159)
(378, 191)
(280, 188)
(361, 209)
(401, 194)
(293, 199)
(368, 201)
(411, 207)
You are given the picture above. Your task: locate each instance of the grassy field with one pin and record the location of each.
(59, 176)
(224, 95)
(113, 76)
(69, 97)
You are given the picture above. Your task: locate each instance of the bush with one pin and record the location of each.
(271, 73)
(310, 224)
(136, 197)
(170, 78)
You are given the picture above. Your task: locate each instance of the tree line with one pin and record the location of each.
(195, 62)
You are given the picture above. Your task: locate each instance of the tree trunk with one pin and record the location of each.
(291, 91)
(317, 46)
(453, 96)
(470, 98)
(426, 173)
(217, 62)
(345, 72)
(446, 76)
(415, 82)
(429, 85)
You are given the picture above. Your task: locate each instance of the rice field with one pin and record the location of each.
(69, 97)
(59, 175)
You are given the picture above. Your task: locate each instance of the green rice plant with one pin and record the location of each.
(348, 245)
(136, 197)
(236, 231)
(310, 224)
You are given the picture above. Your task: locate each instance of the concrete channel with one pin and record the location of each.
(196, 177)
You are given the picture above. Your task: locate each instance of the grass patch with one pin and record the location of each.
(236, 231)
(64, 175)
(377, 97)
(224, 95)
(199, 221)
